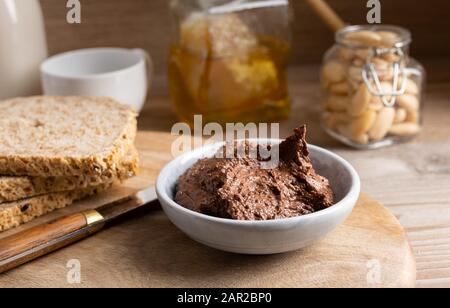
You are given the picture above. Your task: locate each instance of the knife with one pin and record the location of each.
(41, 240)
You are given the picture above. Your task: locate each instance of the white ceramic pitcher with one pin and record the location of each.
(23, 47)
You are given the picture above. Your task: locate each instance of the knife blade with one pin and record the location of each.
(41, 240)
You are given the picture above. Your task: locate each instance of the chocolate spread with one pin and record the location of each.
(240, 189)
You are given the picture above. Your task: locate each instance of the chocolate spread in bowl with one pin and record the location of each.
(239, 188)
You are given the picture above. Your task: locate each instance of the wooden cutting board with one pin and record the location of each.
(146, 250)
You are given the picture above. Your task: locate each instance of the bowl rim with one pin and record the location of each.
(347, 201)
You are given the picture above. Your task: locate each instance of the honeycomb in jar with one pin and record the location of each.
(221, 64)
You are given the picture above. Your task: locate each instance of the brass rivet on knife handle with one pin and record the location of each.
(93, 217)
(94, 220)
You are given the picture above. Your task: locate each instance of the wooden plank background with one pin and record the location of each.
(149, 24)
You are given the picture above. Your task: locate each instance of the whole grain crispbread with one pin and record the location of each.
(64, 136)
(14, 214)
(14, 188)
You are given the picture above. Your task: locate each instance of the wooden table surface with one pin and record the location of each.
(412, 180)
(145, 250)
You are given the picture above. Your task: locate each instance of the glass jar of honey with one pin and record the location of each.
(230, 59)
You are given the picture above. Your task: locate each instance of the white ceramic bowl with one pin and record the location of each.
(261, 237)
(123, 74)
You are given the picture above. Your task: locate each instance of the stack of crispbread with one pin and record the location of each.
(57, 150)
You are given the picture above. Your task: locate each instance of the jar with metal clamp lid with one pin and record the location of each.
(373, 88)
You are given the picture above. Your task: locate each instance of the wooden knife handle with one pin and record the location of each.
(43, 239)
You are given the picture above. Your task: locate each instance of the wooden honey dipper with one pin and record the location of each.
(327, 14)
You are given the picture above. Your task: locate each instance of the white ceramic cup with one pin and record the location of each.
(122, 74)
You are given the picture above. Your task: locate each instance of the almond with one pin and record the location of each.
(337, 103)
(364, 38)
(383, 123)
(360, 101)
(359, 139)
(341, 88)
(362, 124)
(405, 129)
(409, 102)
(334, 119)
(334, 72)
(400, 116)
(388, 38)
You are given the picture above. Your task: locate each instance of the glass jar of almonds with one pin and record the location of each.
(373, 89)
